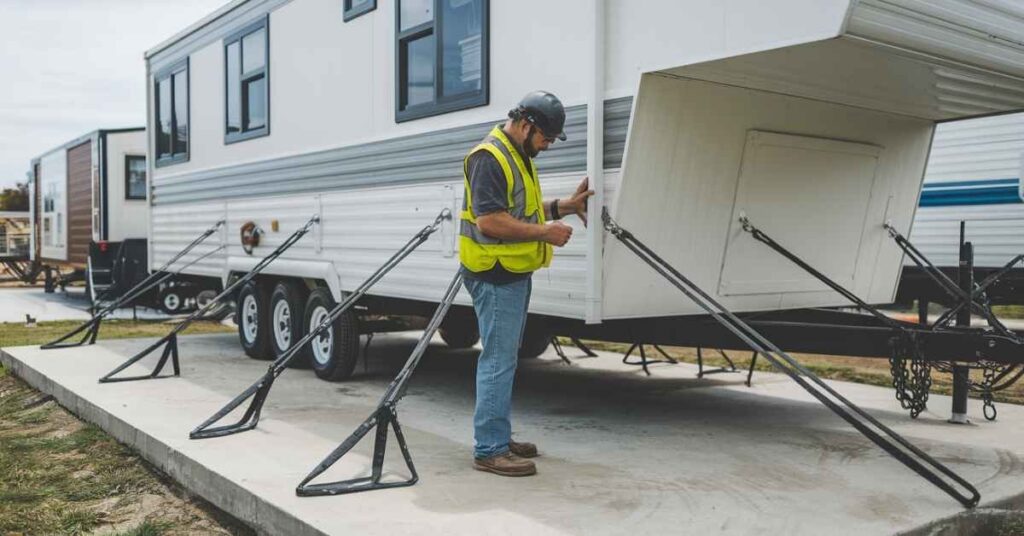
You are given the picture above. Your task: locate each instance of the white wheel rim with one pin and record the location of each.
(172, 302)
(322, 344)
(282, 324)
(250, 318)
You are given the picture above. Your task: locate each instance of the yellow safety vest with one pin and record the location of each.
(479, 252)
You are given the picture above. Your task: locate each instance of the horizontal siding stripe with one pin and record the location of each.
(432, 157)
(970, 184)
(983, 192)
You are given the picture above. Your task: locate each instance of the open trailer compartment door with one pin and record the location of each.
(818, 144)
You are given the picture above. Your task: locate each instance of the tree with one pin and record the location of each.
(15, 199)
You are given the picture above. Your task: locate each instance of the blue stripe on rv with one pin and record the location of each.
(983, 192)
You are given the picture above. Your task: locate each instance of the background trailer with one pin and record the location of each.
(91, 190)
(973, 176)
(811, 118)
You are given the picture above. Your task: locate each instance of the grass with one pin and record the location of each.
(871, 371)
(59, 475)
(18, 334)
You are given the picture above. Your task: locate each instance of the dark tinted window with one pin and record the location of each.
(246, 100)
(462, 46)
(419, 87)
(234, 111)
(442, 56)
(171, 87)
(354, 8)
(180, 82)
(164, 118)
(135, 177)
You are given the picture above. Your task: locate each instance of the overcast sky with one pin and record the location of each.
(68, 67)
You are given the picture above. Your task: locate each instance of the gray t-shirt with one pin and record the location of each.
(489, 190)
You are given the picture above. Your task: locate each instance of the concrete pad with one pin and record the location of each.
(60, 305)
(621, 452)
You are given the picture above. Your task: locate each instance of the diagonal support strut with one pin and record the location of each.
(90, 329)
(382, 418)
(881, 435)
(259, 390)
(171, 339)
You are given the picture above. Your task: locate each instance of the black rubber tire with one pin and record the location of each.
(536, 339)
(335, 359)
(171, 300)
(460, 331)
(291, 299)
(251, 313)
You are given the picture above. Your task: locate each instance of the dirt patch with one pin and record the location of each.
(59, 475)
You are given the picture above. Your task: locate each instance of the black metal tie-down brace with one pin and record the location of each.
(90, 329)
(259, 390)
(169, 342)
(887, 439)
(382, 418)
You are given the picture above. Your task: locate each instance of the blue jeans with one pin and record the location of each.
(501, 315)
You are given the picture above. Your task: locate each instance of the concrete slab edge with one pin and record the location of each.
(225, 494)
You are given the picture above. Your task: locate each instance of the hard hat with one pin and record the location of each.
(544, 110)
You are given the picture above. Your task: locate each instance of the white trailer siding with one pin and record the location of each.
(687, 171)
(125, 218)
(867, 77)
(332, 82)
(973, 175)
(360, 229)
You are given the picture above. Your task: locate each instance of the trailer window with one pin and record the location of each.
(355, 8)
(246, 98)
(171, 105)
(134, 177)
(441, 57)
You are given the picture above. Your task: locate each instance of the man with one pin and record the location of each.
(504, 238)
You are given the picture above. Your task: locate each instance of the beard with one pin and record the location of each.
(528, 147)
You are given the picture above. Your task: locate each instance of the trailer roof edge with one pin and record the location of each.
(82, 139)
(192, 28)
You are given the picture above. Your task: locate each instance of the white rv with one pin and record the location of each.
(973, 176)
(813, 118)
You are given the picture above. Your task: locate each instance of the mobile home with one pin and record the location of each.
(973, 176)
(90, 190)
(812, 118)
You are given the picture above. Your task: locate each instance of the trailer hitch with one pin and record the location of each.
(169, 342)
(91, 328)
(259, 390)
(896, 445)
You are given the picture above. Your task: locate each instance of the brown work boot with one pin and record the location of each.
(523, 450)
(505, 464)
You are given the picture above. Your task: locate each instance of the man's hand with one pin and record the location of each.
(577, 204)
(557, 233)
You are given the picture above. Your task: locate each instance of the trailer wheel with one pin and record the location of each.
(286, 320)
(252, 319)
(460, 331)
(536, 339)
(171, 300)
(334, 353)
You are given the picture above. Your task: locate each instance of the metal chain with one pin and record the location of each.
(988, 408)
(912, 386)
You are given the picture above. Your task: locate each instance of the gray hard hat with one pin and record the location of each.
(544, 110)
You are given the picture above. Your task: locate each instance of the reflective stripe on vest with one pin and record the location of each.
(479, 252)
